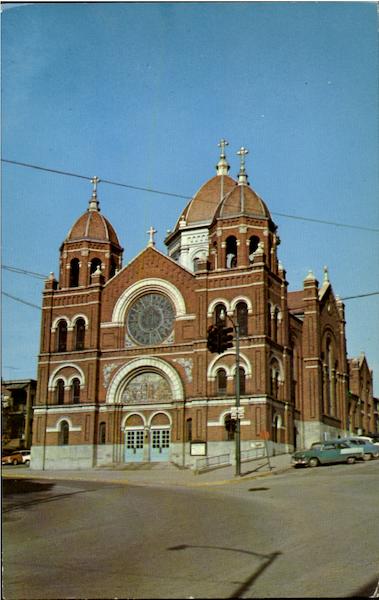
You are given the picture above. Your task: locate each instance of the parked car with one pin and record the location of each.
(369, 439)
(370, 450)
(25, 456)
(15, 458)
(320, 453)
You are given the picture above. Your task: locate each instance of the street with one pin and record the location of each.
(304, 533)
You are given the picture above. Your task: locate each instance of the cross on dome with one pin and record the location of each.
(242, 176)
(222, 166)
(94, 203)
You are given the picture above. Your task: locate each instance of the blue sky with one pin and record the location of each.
(141, 93)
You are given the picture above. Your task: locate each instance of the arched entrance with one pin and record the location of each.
(134, 439)
(160, 431)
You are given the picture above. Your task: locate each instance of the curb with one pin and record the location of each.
(129, 482)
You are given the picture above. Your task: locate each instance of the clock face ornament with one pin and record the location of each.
(150, 319)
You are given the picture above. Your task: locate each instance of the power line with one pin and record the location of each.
(20, 300)
(24, 272)
(39, 308)
(360, 296)
(154, 191)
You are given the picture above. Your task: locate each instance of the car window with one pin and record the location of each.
(329, 446)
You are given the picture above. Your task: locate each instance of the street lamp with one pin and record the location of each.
(237, 389)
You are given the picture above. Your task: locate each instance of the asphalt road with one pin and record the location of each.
(305, 533)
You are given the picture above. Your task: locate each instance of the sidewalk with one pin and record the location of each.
(155, 474)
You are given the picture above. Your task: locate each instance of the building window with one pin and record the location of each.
(189, 430)
(74, 272)
(221, 382)
(241, 310)
(230, 427)
(217, 314)
(231, 252)
(59, 392)
(62, 336)
(64, 434)
(253, 245)
(274, 379)
(113, 267)
(95, 263)
(80, 332)
(102, 432)
(75, 391)
(242, 380)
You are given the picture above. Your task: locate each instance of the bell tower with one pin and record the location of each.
(90, 247)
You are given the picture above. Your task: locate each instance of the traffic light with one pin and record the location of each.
(219, 338)
(212, 338)
(225, 339)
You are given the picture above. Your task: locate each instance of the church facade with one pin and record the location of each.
(124, 371)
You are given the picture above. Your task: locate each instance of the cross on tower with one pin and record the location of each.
(95, 180)
(222, 145)
(151, 233)
(242, 153)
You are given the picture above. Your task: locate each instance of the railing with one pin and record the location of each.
(212, 461)
(253, 453)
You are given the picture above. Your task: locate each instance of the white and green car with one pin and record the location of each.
(321, 453)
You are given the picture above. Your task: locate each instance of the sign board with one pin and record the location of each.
(198, 448)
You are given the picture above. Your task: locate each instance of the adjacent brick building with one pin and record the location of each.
(124, 371)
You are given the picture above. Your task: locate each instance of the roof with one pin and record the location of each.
(242, 200)
(295, 301)
(202, 207)
(92, 225)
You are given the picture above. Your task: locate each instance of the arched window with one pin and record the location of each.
(189, 430)
(242, 380)
(253, 245)
(102, 432)
(62, 336)
(217, 314)
(95, 262)
(221, 382)
(79, 334)
(241, 310)
(59, 392)
(64, 434)
(275, 319)
(74, 272)
(75, 391)
(269, 320)
(112, 269)
(195, 264)
(231, 252)
(274, 379)
(230, 427)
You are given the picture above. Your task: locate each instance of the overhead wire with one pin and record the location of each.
(182, 196)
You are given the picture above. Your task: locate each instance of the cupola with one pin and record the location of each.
(91, 244)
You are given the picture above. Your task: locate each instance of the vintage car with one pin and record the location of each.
(320, 453)
(15, 458)
(370, 450)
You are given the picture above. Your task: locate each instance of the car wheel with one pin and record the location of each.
(367, 457)
(313, 462)
(350, 460)
(27, 462)
(15, 462)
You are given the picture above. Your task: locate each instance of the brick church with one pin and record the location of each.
(124, 371)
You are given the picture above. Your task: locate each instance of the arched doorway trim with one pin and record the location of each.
(145, 364)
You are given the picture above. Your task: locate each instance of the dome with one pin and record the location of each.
(93, 226)
(202, 207)
(242, 199)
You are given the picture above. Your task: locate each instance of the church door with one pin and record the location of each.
(134, 445)
(160, 445)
